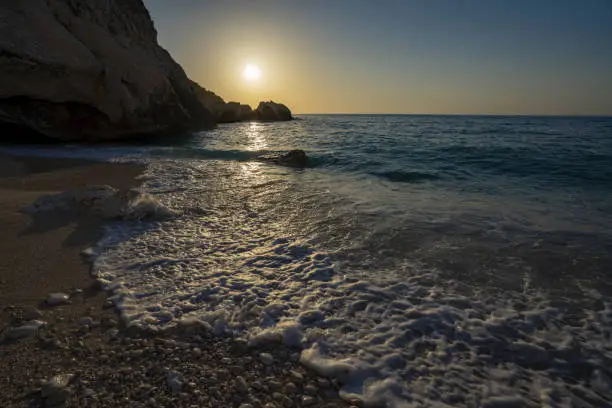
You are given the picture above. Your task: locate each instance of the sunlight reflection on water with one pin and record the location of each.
(256, 137)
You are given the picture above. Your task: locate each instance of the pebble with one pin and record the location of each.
(297, 377)
(27, 330)
(290, 388)
(56, 299)
(266, 358)
(287, 402)
(54, 390)
(307, 401)
(196, 352)
(242, 384)
(173, 379)
(32, 314)
(310, 389)
(246, 405)
(85, 321)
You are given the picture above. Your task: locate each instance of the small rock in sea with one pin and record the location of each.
(27, 330)
(196, 352)
(173, 379)
(56, 299)
(293, 158)
(266, 358)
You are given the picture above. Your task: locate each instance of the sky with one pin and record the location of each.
(550, 57)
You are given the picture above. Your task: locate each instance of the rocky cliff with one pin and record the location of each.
(89, 70)
(93, 70)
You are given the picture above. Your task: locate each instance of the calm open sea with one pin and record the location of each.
(425, 260)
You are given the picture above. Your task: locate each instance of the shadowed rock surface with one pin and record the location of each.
(75, 70)
(272, 111)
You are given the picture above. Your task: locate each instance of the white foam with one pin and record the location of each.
(231, 270)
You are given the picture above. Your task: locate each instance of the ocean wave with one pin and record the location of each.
(389, 342)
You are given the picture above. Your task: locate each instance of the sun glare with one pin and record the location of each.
(251, 72)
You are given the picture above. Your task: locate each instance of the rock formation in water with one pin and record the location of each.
(293, 158)
(272, 111)
(93, 70)
(228, 112)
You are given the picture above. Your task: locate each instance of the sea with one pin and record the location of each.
(419, 261)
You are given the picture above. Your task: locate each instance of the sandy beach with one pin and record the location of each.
(97, 361)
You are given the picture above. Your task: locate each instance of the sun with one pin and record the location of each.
(251, 72)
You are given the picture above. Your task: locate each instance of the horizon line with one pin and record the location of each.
(575, 115)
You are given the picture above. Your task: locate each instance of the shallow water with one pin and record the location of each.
(419, 259)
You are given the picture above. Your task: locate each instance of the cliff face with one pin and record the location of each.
(89, 70)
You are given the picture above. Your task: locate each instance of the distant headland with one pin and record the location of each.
(92, 71)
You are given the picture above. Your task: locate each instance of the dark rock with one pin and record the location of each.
(89, 70)
(272, 111)
(234, 112)
(294, 158)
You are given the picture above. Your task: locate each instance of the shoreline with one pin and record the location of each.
(84, 342)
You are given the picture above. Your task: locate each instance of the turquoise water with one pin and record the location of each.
(422, 260)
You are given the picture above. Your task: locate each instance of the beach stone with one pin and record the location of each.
(266, 358)
(296, 377)
(57, 299)
(173, 380)
(308, 401)
(26, 330)
(291, 388)
(242, 384)
(32, 314)
(310, 389)
(287, 402)
(55, 385)
(85, 321)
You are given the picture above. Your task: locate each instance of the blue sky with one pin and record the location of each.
(398, 56)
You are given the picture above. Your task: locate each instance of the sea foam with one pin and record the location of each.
(224, 265)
